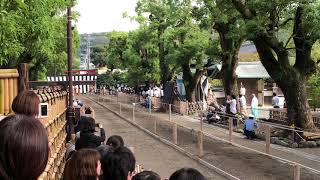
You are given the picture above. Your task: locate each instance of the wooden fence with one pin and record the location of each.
(280, 116)
(8, 89)
(55, 125)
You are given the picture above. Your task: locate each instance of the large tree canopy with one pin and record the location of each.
(34, 32)
(264, 20)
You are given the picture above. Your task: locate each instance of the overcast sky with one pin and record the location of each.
(104, 15)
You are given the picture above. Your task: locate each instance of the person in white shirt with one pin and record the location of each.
(243, 105)
(275, 101)
(75, 103)
(254, 106)
(233, 108)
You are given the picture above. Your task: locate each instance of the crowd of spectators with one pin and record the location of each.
(24, 150)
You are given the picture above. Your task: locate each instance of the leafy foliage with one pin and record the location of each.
(314, 90)
(34, 32)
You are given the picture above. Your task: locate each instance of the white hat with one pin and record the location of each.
(251, 115)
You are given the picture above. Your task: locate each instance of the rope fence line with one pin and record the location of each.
(172, 144)
(240, 146)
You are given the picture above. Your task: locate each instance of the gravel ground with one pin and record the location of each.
(237, 161)
(148, 151)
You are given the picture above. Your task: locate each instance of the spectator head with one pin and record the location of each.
(88, 125)
(24, 148)
(27, 103)
(146, 175)
(233, 96)
(115, 141)
(88, 110)
(187, 174)
(118, 164)
(274, 94)
(83, 165)
(104, 150)
(253, 95)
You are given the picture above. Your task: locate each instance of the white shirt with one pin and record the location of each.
(233, 106)
(254, 102)
(75, 104)
(243, 101)
(275, 101)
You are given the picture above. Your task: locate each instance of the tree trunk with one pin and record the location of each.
(295, 92)
(292, 82)
(163, 64)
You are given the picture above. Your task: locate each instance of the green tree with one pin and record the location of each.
(162, 15)
(115, 49)
(141, 55)
(221, 18)
(33, 32)
(264, 19)
(99, 56)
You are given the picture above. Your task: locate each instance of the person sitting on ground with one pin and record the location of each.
(249, 125)
(187, 174)
(146, 175)
(27, 103)
(118, 164)
(275, 101)
(115, 141)
(83, 165)
(212, 116)
(87, 137)
(24, 148)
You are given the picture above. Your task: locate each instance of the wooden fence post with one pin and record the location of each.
(150, 104)
(23, 83)
(175, 133)
(155, 126)
(268, 139)
(133, 112)
(230, 129)
(200, 143)
(169, 112)
(296, 173)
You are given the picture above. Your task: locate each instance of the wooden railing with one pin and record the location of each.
(8, 89)
(55, 125)
(280, 115)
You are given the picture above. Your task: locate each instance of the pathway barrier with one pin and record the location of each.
(55, 125)
(8, 89)
(156, 128)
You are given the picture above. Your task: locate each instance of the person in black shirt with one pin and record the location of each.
(87, 137)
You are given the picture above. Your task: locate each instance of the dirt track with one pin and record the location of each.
(238, 162)
(149, 152)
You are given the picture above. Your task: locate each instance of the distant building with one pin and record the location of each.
(255, 79)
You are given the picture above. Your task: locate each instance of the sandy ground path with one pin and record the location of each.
(148, 151)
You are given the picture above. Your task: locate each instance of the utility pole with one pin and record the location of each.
(88, 52)
(70, 111)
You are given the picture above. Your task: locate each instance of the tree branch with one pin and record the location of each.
(286, 21)
(291, 36)
(240, 5)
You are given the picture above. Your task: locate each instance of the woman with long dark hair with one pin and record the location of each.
(24, 148)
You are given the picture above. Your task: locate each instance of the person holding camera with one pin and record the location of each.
(88, 139)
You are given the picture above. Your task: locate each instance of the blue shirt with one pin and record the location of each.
(249, 124)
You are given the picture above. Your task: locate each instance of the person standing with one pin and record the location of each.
(275, 101)
(231, 100)
(243, 105)
(254, 106)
